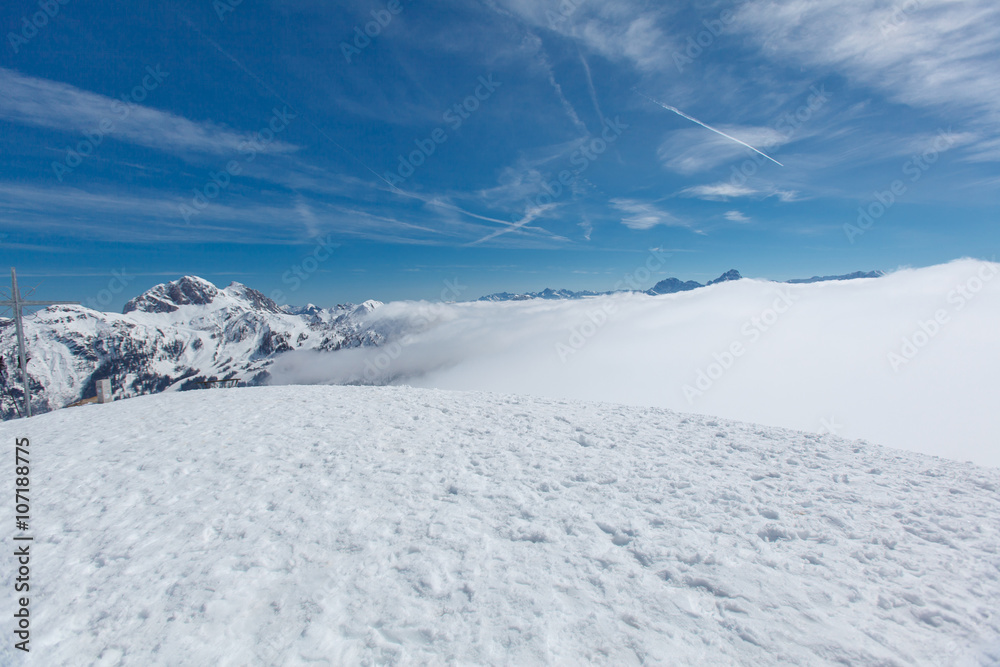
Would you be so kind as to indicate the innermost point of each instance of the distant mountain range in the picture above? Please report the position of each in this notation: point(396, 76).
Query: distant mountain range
point(666, 286)
point(546, 293)
point(848, 276)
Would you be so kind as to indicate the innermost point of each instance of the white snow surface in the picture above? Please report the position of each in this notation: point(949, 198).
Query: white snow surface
point(391, 525)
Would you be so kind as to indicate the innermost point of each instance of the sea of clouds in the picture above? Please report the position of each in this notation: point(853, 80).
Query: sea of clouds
point(910, 360)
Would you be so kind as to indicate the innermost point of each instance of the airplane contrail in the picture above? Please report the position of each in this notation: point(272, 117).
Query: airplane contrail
point(709, 127)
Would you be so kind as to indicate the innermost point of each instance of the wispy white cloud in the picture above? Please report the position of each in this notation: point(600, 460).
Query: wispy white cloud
point(308, 216)
point(524, 179)
point(940, 54)
point(736, 216)
point(986, 150)
point(44, 103)
point(154, 216)
point(590, 87)
point(642, 215)
point(727, 191)
point(620, 30)
point(543, 63)
point(718, 191)
point(639, 40)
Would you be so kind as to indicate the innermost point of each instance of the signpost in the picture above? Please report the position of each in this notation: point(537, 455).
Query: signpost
point(16, 303)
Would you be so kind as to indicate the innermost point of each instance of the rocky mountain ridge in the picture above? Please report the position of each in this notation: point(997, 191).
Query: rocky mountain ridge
point(172, 337)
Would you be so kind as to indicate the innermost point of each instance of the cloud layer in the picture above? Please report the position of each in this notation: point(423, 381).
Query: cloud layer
point(907, 360)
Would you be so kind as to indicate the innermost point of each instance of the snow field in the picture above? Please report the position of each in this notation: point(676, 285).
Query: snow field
point(400, 526)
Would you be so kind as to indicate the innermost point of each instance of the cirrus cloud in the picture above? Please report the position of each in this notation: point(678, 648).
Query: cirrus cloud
point(641, 215)
point(39, 102)
point(727, 191)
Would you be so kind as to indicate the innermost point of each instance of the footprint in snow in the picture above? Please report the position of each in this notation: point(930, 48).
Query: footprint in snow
point(618, 538)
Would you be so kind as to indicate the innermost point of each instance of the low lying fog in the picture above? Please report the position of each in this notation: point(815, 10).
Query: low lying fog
point(910, 360)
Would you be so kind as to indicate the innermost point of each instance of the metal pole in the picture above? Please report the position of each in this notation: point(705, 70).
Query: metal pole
point(18, 305)
point(22, 358)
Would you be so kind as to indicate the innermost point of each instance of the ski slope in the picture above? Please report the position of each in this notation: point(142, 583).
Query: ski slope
point(396, 526)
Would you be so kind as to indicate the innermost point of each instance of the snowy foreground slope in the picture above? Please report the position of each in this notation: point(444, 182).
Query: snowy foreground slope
point(390, 525)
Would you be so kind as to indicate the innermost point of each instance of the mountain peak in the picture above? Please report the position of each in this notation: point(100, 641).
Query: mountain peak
point(731, 274)
point(673, 285)
point(252, 297)
point(366, 307)
point(168, 297)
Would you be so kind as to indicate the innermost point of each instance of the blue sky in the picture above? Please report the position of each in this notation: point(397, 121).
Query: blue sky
point(242, 140)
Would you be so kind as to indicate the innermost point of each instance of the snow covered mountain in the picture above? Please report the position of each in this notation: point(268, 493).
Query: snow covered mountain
point(731, 274)
point(674, 285)
point(547, 293)
point(171, 337)
point(399, 526)
point(665, 286)
point(846, 276)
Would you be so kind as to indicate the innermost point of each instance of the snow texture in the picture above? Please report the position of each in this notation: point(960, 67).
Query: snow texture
point(391, 525)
